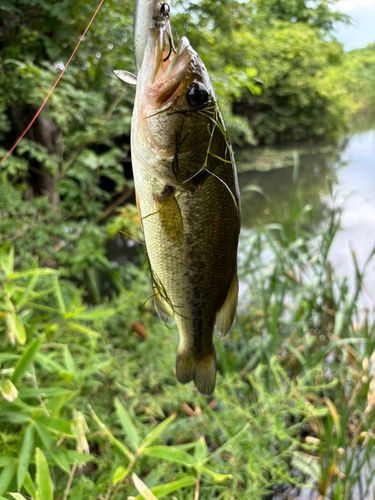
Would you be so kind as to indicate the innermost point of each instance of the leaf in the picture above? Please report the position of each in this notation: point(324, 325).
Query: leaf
point(218, 477)
point(57, 424)
point(92, 314)
point(14, 417)
point(59, 296)
point(24, 458)
point(5, 459)
point(43, 477)
point(26, 360)
point(171, 455)
point(142, 488)
point(69, 361)
point(77, 457)
point(158, 430)
point(20, 330)
point(119, 474)
point(24, 274)
point(200, 451)
point(165, 489)
point(84, 329)
point(51, 446)
point(127, 425)
point(7, 258)
point(339, 323)
point(17, 496)
point(29, 485)
point(8, 390)
point(6, 477)
point(28, 289)
point(120, 446)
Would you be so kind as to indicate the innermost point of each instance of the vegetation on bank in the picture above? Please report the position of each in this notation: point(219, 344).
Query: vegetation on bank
point(89, 397)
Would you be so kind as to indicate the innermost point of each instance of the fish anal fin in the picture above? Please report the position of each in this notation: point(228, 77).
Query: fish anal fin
point(201, 370)
point(225, 315)
point(163, 309)
point(126, 76)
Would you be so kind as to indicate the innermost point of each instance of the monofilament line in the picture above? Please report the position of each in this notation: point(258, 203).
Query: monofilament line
point(52, 89)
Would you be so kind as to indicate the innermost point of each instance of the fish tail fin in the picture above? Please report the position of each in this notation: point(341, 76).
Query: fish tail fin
point(202, 370)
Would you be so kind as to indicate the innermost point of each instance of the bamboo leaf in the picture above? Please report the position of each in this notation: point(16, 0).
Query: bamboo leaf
point(120, 446)
point(6, 477)
point(165, 489)
point(25, 454)
point(127, 425)
point(51, 446)
point(81, 328)
point(57, 424)
point(59, 296)
point(28, 289)
point(200, 451)
point(6, 459)
point(90, 315)
point(20, 330)
point(77, 457)
point(119, 474)
point(170, 454)
point(26, 360)
point(17, 496)
point(69, 361)
point(43, 477)
point(218, 477)
point(158, 430)
point(29, 485)
point(142, 488)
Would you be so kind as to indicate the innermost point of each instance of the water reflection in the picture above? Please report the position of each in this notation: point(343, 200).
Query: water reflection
point(279, 187)
point(350, 165)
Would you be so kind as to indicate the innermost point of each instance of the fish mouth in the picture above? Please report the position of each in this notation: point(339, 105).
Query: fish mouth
point(169, 75)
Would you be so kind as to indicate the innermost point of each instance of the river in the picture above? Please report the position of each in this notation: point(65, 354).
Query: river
point(349, 164)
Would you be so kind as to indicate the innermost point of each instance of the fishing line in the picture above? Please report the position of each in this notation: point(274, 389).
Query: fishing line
point(53, 88)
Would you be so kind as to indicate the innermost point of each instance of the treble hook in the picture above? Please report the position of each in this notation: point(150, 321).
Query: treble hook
point(164, 11)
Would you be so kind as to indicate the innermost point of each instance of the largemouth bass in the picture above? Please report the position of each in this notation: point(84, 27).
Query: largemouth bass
point(188, 199)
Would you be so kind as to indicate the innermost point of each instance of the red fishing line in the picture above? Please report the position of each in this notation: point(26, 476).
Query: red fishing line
point(53, 88)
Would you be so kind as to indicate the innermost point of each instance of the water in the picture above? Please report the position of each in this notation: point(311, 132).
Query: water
point(349, 165)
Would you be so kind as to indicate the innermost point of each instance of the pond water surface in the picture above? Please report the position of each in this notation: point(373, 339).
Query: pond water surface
point(349, 165)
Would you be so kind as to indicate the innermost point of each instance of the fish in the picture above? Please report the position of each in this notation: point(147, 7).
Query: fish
point(187, 196)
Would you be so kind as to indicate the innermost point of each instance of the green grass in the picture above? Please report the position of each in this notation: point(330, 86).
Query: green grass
point(90, 409)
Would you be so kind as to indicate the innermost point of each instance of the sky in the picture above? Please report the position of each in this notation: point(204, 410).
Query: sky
point(362, 32)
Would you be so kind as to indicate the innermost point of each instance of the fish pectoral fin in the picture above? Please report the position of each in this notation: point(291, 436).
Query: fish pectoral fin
point(225, 315)
point(126, 76)
point(163, 309)
point(170, 218)
point(202, 370)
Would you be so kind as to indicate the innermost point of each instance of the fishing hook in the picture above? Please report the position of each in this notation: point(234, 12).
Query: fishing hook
point(164, 11)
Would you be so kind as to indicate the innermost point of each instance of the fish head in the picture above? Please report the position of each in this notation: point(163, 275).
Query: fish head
point(176, 111)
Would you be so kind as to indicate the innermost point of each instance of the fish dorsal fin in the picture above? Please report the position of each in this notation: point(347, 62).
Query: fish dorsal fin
point(225, 315)
point(126, 76)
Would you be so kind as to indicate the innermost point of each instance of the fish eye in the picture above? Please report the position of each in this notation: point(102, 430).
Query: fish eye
point(197, 95)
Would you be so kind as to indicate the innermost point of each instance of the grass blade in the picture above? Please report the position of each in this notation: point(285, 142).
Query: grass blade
point(24, 459)
point(127, 425)
point(43, 477)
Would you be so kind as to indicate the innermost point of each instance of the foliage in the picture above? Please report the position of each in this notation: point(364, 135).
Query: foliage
point(301, 96)
point(360, 76)
point(91, 409)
